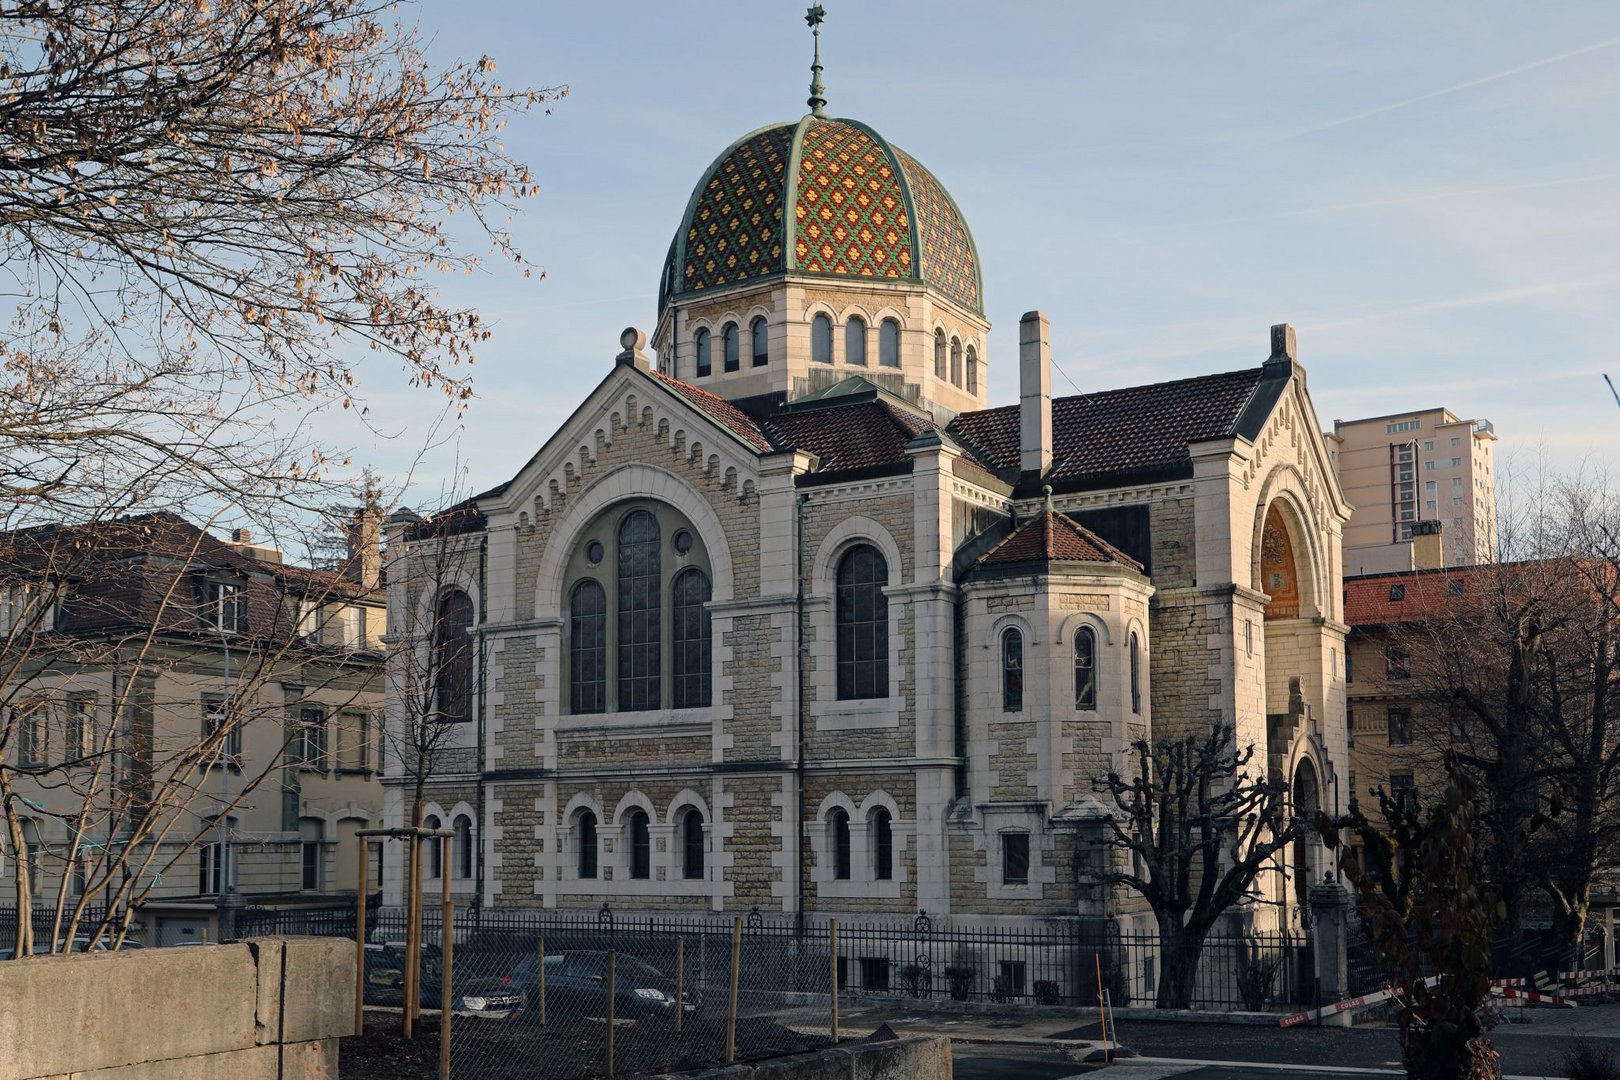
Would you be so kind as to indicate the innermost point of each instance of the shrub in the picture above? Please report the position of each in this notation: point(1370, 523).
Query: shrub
point(1585, 1060)
point(1256, 975)
point(1046, 992)
point(960, 979)
point(917, 979)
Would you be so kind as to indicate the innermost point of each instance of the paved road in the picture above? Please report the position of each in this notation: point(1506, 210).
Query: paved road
point(979, 1062)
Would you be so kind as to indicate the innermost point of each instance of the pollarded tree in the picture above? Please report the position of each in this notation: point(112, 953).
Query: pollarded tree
point(1202, 828)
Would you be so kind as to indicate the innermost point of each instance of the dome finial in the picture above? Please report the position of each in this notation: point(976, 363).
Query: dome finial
point(818, 93)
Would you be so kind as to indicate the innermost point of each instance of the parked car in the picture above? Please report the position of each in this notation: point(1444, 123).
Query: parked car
point(473, 993)
point(576, 988)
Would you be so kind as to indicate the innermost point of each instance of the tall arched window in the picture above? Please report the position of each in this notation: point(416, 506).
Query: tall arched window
point(972, 371)
point(1136, 674)
point(939, 354)
point(1012, 670)
point(435, 849)
point(700, 342)
point(731, 346)
point(889, 343)
point(452, 657)
point(585, 842)
point(1085, 668)
point(760, 338)
point(855, 341)
point(821, 339)
point(690, 648)
point(462, 846)
point(863, 624)
point(640, 601)
point(838, 841)
point(587, 648)
point(956, 361)
point(640, 845)
point(882, 843)
point(692, 845)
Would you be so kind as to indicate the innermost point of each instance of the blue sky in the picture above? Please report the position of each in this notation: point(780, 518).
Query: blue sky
point(1429, 192)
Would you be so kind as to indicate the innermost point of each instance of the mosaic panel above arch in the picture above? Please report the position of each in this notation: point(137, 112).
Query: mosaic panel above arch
point(736, 230)
point(850, 214)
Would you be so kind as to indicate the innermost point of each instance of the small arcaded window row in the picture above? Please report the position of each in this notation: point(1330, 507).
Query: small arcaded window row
point(1085, 670)
point(687, 856)
point(759, 346)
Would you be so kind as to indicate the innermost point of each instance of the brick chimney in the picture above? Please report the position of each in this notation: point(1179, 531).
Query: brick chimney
point(364, 566)
point(1034, 393)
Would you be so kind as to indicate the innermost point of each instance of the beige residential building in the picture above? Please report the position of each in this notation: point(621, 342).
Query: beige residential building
point(1406, 468)
point(193, 726)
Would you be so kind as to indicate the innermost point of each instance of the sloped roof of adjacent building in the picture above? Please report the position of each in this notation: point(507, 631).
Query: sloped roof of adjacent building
point(863, 434)
point(1113, 435)
point(721, 411)
point(1053, 537)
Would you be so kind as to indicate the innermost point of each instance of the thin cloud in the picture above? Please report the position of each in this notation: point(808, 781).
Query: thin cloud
point(1498, 296)
point(1483, 80)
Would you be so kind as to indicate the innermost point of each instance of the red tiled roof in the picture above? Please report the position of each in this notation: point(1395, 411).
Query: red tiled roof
point(1054, 537)
point(1135, 429)
point(856, 435)
point(721, 411)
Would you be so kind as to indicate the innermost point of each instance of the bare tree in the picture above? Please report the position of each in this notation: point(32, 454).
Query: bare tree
point(212, 215)
point(1202, 829)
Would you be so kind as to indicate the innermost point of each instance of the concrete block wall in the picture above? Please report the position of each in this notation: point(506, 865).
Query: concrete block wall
point(270, 1008)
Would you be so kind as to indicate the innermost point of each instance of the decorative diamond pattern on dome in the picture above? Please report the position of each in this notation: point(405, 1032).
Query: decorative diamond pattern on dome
point(735, 232)
point(947, 253)
point(851, 214)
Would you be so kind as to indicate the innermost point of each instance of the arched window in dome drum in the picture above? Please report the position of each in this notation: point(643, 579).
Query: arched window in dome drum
point(956, 361)
point(939, 354)
point(821, 339)
point(855, 341)
point(640, 563)
point(972, 371)
point(889, 343)
point(732, 346)
point(761, 338)
point(700, 342)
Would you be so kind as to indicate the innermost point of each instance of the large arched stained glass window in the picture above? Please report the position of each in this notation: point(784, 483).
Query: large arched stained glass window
point(1085, 668)
point(587, 648)
point(690, 647)
point(821, 339)
point(453, 657)
point(863, 624)
point(639, 612)
point(1012, 670)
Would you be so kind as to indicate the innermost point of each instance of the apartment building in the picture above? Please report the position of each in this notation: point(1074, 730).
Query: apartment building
point(192, 725)
point(1406, 468)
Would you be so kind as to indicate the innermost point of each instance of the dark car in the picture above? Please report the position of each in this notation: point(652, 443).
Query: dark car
point(576, 988)
point(474, 993)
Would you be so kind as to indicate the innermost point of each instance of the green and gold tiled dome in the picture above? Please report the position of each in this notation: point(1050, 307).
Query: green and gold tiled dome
point(822, 197)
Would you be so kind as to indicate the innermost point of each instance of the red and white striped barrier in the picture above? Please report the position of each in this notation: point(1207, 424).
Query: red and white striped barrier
point(1528, 995)
point(1354, 1004)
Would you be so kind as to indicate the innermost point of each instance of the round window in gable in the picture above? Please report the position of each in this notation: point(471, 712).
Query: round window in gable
point(682, 541)
point(594, 552)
